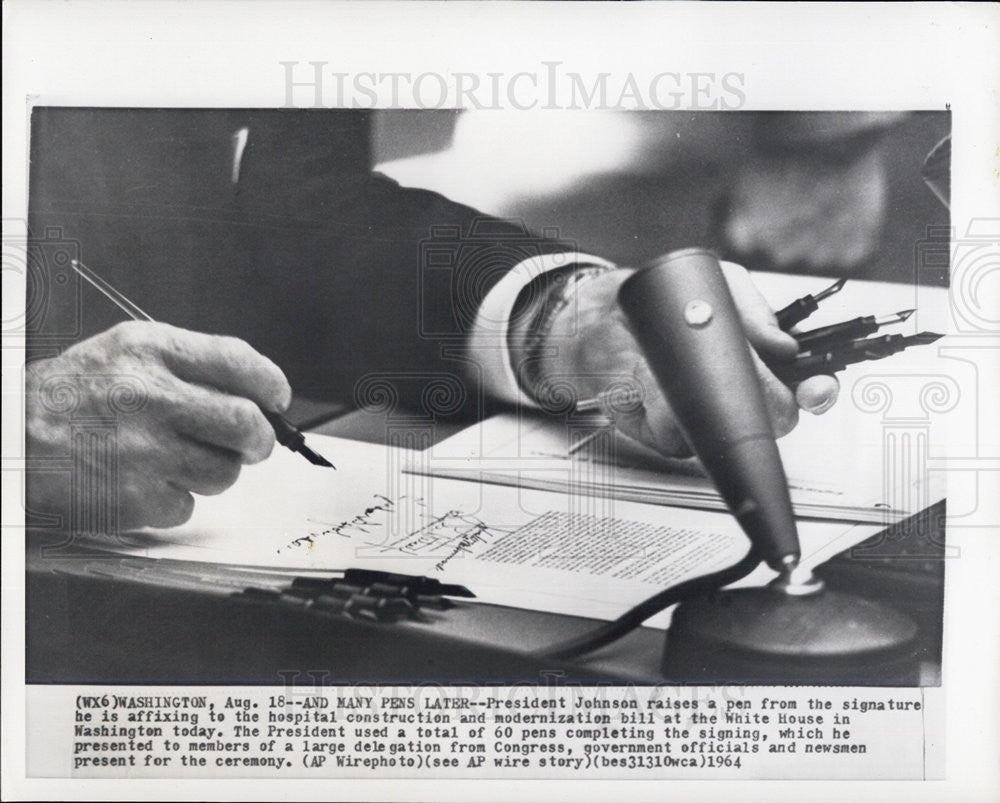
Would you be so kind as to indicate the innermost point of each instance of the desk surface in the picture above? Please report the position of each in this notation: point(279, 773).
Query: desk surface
point(86, 628)
point(99, 629)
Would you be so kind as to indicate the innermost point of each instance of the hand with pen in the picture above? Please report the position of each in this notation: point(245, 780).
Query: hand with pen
point(590, 347)
point(186, 409)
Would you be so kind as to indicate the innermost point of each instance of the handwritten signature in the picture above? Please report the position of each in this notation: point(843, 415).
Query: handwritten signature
point(450, 533)
point(474, 535)
point(361, 523)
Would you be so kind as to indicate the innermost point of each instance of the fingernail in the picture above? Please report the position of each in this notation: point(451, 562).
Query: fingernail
point(822, 407)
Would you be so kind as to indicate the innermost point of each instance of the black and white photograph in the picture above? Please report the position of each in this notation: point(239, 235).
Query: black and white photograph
point(530, 401)
point(496, 422)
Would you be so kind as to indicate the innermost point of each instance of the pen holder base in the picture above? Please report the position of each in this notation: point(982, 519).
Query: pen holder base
point(766, 636)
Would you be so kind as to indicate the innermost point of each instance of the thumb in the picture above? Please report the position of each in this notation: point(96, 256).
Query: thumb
point(756, 316)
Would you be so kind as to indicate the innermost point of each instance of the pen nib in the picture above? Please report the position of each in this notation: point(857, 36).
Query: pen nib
point(895, 317)
point(922, 338)
point(315, 459)
point(833, 288)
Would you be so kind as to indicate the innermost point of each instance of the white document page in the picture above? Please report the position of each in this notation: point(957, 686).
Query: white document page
point(843, 465)
point(535, 451)
point(570, 554)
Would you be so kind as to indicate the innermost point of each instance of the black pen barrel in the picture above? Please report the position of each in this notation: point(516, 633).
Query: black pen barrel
point(802, 368)
point(837, 359)
point(796, 312)
point(284, 432)
point(826, 337)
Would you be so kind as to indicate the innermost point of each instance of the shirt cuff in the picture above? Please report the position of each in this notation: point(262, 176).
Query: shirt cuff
point(487, 345)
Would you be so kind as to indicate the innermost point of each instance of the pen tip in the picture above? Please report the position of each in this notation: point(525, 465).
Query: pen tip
point(895, 317)
point(923, 338)
point(833, 288)
point(315, 459)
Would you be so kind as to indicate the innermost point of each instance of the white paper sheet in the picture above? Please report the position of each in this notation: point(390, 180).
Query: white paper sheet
point(839, 464)
point(534, 451)
point(511, 546)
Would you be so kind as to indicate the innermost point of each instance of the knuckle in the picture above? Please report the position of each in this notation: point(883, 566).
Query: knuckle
point(137, 333)
point(245, 416)
point(125, 336)
point(144, 340)
point(166, 401)
point(163, 388)
point(241, 352)
point(126, 330)
point(182, 346)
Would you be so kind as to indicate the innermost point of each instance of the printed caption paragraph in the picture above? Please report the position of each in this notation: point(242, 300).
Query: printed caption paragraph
point(539, 731)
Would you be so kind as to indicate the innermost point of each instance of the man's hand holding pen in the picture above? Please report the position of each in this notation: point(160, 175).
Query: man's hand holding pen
point(202, 405)
point(588, 346)
point(194, 416)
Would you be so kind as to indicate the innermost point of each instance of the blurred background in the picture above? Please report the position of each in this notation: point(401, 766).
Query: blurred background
point(824, 193)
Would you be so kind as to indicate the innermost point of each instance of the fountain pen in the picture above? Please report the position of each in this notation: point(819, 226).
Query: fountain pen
point(284, 432)
point(826, 338)
point(838, 358)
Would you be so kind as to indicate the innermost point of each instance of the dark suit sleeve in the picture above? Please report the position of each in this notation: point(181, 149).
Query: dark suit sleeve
point(336, 273)
point(401, 274)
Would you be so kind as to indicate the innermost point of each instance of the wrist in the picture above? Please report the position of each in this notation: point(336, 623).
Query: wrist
point(496, 347)
point(568, 354)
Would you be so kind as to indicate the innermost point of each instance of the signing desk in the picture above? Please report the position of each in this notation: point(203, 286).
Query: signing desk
point(87, 628)
point(123, 623)
point(91, 619)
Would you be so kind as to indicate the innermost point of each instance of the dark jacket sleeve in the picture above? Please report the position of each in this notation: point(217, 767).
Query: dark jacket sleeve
point(336, 273)
point(404, 272)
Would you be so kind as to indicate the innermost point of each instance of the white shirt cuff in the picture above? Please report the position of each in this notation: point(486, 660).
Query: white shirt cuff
point(487, 345)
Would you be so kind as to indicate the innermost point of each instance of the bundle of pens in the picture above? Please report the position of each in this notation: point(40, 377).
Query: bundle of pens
point(826, 350)
point(830, 349)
